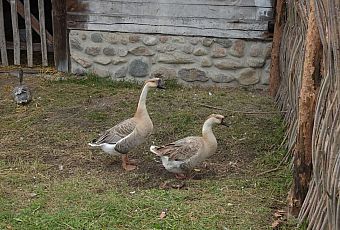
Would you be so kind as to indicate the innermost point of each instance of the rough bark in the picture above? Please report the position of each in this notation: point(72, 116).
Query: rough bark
point(274, 80)
point(303, 150)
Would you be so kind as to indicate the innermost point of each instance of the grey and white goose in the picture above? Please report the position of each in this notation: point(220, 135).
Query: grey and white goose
point(130, 133)
point(21, 93)
point(181, 156)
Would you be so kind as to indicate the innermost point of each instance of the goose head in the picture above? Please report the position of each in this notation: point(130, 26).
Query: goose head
point(155, 83)
point(20, 76)
point(216, 119)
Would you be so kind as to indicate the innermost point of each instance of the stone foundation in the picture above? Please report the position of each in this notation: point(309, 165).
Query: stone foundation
point(190, 60)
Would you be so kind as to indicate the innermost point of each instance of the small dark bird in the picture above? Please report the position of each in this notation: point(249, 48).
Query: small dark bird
point(21, 93)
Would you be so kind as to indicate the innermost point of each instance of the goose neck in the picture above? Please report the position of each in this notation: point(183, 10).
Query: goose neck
point(141, 108)
point(207, 132)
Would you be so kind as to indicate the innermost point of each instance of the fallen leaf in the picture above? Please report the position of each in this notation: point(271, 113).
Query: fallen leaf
point(32, 194)
point(277, 215)
point(276, 223)
point(163, 214)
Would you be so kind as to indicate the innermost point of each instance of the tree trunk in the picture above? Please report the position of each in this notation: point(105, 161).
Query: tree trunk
point(303, 149)
point(274, 80)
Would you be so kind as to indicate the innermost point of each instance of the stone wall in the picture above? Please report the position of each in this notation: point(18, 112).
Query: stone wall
point(190, 60)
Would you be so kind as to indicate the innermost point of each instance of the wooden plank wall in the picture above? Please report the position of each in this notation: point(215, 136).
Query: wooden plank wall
point(216, 18)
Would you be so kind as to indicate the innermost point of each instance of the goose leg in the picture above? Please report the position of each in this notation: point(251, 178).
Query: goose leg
point(127, 165)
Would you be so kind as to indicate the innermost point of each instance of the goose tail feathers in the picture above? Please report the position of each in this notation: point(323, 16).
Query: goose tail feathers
point(94, 145)
point(153, 149)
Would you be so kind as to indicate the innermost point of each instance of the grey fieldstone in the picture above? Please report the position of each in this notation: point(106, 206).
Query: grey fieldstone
point(122, 52)
point(133, 38)
point(102, 60)
point(165, 73)
point(141, 51)
point(124, 39)
point(266, 73)
point(229, 63)
point(97, 37)
point(238, 49)
point(207, 42)
point(117, 61)
point(121, 72)
point(166, 48)
point(83, 37)
point(79, 71)
point(248, 76)
point(188, 49)
point(255, 62)
point(206, 62)
point(111, 38)
point(200, 51)
point(84, 62)
point(109, 51)
point(226, 43)
point(255, 50)
point(75, 44)
point(193, 74)
point(194, 41)
point(154, 59)
point(268, 50)
point(179, 40)
point(150, 40)
point(138, 68)
point(222, 78)
point(163, 39)
point(92, 50)
point(101, 71)
point(218, 52)
point(176, 58)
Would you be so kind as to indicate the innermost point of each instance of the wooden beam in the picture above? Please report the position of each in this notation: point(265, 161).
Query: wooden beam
point(34, 22)
point(4, 59)
point(42, 33)
point(303, 151)
point(60, 35)
point(15, 28)
point(28, 33)
point(23, 46)
point(274, 80)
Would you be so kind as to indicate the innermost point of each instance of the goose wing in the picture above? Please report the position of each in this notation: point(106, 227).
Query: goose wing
point(127, 143)
point(181, 149)
point(22, 94)
point(117, 132)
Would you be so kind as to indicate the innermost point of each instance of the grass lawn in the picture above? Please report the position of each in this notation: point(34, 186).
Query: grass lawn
point(51, 179)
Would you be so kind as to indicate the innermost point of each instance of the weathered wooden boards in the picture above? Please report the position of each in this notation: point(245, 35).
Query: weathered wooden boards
point(29, 42)
point(233, 18)
point(42, 33)
point(23, 9)
point(60, 35)
point(16, 38)
point(4, 59)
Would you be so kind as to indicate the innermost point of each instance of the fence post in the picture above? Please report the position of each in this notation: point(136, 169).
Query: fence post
point(60, 40)
point(303, 150)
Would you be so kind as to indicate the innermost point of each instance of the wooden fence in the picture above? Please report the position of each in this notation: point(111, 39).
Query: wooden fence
point(38, 25)
point(44, 42)
point(321, 206)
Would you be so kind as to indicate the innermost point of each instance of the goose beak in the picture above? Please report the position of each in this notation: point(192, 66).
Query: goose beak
point(160, 84)
point(223, 123)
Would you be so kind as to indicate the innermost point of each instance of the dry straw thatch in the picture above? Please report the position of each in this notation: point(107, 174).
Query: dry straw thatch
point(321, 207)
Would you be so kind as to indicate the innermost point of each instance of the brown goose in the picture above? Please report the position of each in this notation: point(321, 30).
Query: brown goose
point(128, 134)
point(181, 156)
